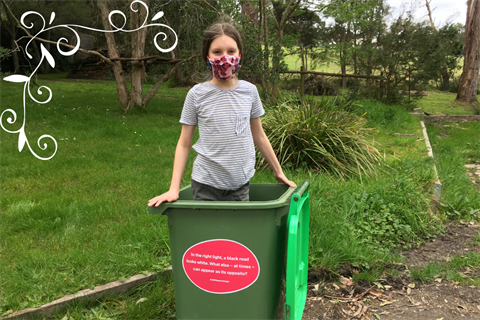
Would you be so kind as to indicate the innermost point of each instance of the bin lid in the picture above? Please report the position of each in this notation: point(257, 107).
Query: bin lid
point(297, 253)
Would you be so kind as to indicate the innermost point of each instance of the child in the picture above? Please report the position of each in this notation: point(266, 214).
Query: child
point(227, 112)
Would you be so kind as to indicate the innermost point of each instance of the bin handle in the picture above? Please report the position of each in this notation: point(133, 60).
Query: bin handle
point(302, 189)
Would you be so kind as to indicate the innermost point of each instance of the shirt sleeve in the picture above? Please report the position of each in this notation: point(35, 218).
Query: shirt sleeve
point(257, 107)
point(189, 112)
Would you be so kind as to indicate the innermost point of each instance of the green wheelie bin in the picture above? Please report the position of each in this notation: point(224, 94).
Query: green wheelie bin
point(240, 260)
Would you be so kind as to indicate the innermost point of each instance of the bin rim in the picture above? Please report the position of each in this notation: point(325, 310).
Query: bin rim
point(284, 200)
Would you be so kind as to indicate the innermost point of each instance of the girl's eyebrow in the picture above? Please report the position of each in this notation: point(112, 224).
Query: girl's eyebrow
point(231, 48)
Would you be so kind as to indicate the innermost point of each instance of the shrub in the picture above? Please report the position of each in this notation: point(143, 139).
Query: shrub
point(393, 214)
point(320, 135)
point(319, 85)
point(476, 106)
point(290, 84)
point(454, 85)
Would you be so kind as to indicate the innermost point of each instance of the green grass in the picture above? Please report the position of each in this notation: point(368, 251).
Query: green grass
point(79, 219)
point(453, 270)
point(291, 59)
point(443, 103)
point(388, 120)
point(454, 145)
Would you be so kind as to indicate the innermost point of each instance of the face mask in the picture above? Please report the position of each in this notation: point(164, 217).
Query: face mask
point(224, 68)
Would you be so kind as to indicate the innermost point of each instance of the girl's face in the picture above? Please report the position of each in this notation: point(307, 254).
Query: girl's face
point(223, 45)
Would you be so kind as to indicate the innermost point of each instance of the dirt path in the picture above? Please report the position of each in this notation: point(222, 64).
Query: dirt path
point(399, 297)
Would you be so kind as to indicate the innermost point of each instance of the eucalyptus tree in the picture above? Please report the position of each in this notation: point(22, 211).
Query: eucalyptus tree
point(470, 78)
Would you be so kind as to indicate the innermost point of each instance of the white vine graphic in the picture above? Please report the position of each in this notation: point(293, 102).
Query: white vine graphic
point(22, 138)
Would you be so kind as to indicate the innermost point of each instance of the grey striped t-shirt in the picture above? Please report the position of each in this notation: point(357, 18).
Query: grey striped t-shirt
point(225, 151)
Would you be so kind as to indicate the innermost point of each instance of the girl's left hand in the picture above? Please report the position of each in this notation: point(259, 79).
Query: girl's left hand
point(281, 178)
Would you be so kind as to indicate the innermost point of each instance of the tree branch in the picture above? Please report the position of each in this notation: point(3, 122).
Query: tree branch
point(156, 57)
point(427, 2)
point(154, 90)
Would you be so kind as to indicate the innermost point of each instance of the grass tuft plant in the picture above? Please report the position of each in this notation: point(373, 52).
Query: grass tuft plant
point(320, 135)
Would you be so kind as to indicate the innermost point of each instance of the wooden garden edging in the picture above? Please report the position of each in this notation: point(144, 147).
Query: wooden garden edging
point(103, 291)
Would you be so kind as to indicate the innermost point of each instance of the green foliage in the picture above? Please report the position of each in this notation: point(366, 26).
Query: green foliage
point(388, 117)
point(305, 28)
point(4, 53)
point(411, 54)
point(394, 214)
point(320, 135)
point(343, 214)
point(454, 86)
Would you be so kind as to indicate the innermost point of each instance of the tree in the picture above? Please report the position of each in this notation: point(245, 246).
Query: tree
point(467, 91)
point(357, 24)
point(445, 39)
point(284, 10)
point(12, 30)
point(305, 26)
point(114, 60)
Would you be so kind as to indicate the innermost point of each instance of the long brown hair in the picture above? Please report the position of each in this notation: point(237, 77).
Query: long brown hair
point(217, 30)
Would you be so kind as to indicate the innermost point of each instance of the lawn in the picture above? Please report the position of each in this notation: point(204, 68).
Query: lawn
point(443, 103)
point(80, 219)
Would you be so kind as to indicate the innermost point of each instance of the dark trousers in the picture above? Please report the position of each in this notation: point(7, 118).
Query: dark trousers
point(203, 192)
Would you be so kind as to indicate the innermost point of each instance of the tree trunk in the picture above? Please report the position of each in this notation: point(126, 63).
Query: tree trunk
point(138, 51)
point(263, 12)
point(467, 91)
point(343, 67)
point(39, 56)
point(13, 46)
point(427, 3)
point(46, 65)
point(276, 61)
point(306, 59)
point(152, 92)
point(122, 90)
point(303, 56)
point(12, 30)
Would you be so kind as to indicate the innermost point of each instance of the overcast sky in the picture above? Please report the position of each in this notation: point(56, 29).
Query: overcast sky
point(443, 10)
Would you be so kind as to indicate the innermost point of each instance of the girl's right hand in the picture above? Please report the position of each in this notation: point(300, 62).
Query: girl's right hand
point(168, 196)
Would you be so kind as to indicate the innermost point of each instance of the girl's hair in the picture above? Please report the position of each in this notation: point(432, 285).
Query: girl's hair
point(217, 30)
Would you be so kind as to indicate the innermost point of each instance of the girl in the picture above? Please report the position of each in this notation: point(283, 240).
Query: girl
point(227, 112)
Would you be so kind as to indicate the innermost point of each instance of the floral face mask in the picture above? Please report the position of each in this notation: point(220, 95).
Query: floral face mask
point(224, 68)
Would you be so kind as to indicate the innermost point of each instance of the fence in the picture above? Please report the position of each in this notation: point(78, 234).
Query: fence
point(303, 73)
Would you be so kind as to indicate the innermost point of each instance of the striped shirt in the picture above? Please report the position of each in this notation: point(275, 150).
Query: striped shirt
point(225, 151)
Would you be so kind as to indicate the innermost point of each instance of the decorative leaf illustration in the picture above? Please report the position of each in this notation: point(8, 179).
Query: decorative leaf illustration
point(21, 140)
point(16, 78)
point(52, 17)
point(48, 56)
point(158, 16)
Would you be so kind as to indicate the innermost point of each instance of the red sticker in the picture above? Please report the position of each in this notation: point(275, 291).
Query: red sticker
point(221, 266)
